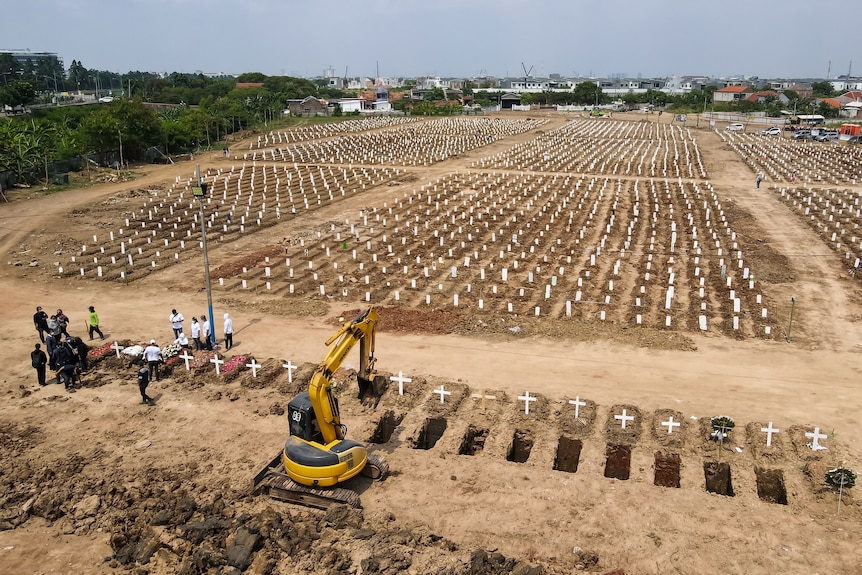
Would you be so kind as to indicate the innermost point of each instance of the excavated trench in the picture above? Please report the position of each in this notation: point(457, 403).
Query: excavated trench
point(568, 455)
point(770, 485)
point(386, 427)
point(667, 469)
point(473, 441)
point(522, 445)
point(618, 461)
point(430, 433)
point(718, 478)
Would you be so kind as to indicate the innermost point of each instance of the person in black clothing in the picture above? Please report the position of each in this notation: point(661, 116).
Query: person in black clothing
point(39, 361)
point(80, 349)
point(143, 382)
point(65, 364)
point(40, 320)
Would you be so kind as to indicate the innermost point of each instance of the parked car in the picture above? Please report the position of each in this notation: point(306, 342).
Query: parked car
point(773, 131)
point(826, 136)
point(735, 128)
point(855, 140)
point(802, 135)
point(106, 99)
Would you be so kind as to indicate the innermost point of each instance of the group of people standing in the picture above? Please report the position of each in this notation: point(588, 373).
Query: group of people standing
point(201, 331)
point(65, 354)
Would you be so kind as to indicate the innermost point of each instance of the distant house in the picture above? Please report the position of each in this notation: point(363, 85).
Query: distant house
point(732, 93)
point(349, 105)
point(509, 99)
point(308, 106)
point(249, 85)
point(763, 96)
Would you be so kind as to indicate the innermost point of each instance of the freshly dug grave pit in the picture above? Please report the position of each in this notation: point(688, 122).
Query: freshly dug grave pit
point(522, 445)
point(770, 485)
point(718, 478)
point(666, 469)
point(568, 455)
point(430, 433)
point(618, 461)
point(385, 427)
point(474, 441)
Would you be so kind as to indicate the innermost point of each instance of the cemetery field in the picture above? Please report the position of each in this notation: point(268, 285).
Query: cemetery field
point(565, 303)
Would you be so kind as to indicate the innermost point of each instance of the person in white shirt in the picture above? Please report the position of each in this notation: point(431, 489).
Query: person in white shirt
point(182, 341)
point(176, 319)
point(196, 334)
point(206, 332)
point(228, 331)
point(153, 356)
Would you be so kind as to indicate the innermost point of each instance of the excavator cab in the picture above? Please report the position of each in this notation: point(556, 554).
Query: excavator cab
point(303, 422)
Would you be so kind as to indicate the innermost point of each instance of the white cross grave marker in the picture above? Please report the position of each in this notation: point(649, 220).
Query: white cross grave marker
point(254, 365)
point(815, 439)
point(670, 423)
point(117, 347)
point(442, 393)
point(769, 430)
point(217, 363)
point(401, 381)
point(578, 405)
point(289, 367)
point(526, 399)
point(624, 418)
point(186, 357)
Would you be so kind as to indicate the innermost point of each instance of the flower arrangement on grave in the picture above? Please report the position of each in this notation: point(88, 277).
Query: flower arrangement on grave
point(171, 350)
point(233, 363)
point(721, 426)
point(841, 477)
point(201, 360)
point(101, 351)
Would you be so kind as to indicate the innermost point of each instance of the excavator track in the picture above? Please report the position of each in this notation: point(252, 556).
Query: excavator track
point(273, 481)
point(280, 486)
point(376, 468)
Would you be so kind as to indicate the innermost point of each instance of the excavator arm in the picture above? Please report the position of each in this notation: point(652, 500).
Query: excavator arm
point(359, 330)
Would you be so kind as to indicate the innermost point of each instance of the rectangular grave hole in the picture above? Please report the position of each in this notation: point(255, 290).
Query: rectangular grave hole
point(568, 455)
point(386, 427)
point(430, 433)
point(618, 461)
point(718, 478)
point(770, 485)
point(666, 469)
point(522, 445)
point(474, 441)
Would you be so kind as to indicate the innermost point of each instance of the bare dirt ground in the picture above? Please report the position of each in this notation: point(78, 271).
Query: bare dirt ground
point(95, 482)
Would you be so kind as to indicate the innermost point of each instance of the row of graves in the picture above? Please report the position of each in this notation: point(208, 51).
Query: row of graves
point(418, 144)
point(834, 215)
point(606, 147)
point(280, 138)
point(656, 253)
point(805, 161)
point(563, 434)
point(166, 229)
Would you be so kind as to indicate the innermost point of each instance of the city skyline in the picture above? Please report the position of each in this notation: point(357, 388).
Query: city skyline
point(444, 38)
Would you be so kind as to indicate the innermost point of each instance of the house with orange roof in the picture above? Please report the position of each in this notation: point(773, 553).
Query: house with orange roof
point(763, 96)
point(732, 94)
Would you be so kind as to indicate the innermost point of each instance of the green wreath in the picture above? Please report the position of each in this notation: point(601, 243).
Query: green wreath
point(721, 426)
point(841, 477)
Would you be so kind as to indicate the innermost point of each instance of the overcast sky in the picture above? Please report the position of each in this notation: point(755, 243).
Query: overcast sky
point(650, 38)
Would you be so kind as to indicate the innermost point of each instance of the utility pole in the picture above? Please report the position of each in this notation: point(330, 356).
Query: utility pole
point(199, 192)
point(120, 135)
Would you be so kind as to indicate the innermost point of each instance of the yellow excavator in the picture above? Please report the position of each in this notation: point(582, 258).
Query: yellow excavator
point(317, 456)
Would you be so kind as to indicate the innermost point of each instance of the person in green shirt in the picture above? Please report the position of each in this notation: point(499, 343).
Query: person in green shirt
point(94, 324)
